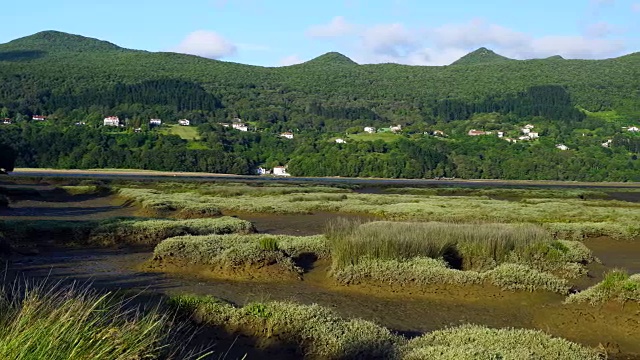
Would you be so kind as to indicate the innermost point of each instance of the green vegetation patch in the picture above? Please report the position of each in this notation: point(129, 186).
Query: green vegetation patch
point(118, 231)
point(472, 342)
point(185, 132)
point(317, 331)
point(71, 323)
point(510, 256)
point(617, 285)
point(386, 137)
point(241, 252)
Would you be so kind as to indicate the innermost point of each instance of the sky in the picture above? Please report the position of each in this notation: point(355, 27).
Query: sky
point(286, 32)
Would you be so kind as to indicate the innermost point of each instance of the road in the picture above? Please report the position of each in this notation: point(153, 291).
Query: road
point(186, 176)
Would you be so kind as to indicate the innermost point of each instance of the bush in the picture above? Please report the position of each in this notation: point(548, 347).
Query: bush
point(472, 342)
point(617, 285)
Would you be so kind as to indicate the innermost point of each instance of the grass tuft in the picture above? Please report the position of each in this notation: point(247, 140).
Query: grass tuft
point(617, 285)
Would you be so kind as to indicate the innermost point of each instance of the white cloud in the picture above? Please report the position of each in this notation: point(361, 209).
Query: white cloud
point(391, 39)
point(207, 44)
point(575, 47)
point(477, 33)
point(599, 30)
point(290, 60)
point(336, 28)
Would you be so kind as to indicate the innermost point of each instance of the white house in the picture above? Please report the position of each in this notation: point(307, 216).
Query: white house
point(396, 128)
point(7, 121)
point(438, 133)
point(607, 143)
point(511, 140)
point(287, 135)
point(370, 129)
point(184, 122)
point(500, 134)
point(633, 129)
point(340, 141)
point(38, 118)
point(81, 123)
point(524, 138)
point(562, 147)
point(529, 126)
point(112, 121)
point(262, 171)
point(474, 132)
point(155, 122)
point(137, 130)
point(534, 135)
point(240, 126)
point(526, 131)
point(280, 171)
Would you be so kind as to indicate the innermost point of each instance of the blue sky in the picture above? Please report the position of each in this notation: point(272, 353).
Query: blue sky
point(283, 32)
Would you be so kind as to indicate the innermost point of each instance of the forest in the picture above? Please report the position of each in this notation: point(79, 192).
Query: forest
point(76, 81)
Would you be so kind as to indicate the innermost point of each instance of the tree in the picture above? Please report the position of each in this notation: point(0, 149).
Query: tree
point(7, 158)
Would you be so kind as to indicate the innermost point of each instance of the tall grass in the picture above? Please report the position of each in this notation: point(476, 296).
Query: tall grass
point(461, 245)
point(76, 323)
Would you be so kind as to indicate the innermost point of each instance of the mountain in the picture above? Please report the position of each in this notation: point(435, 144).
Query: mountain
point(481, 56)
point(54, 71)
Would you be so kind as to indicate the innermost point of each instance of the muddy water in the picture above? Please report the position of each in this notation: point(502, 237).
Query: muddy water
point(71, 208)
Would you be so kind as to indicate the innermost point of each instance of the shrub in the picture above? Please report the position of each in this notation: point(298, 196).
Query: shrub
point(617, 285)
point(268, 244)
point(472, 342)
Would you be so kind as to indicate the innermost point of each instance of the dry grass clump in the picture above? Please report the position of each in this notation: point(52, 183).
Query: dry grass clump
point(616, 286)
point(423, 271)
point(72, 323)
point(237, 252)
point(85, 189)
point(151, 232)
point(471, 342)
point(318, 332)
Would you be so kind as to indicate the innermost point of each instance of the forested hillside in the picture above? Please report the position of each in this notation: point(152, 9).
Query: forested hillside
point(73, 79)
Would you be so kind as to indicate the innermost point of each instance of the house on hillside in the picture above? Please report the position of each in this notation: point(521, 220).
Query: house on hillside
point(224, 125)
point(237, 120)
point(562, 147)
point(340, 141)
point(534, 135)
point(396, 128)
point(6, 121)
point(438, 133)
point(607, 143)
point(155, 122)
point(38, 118)
point(288, 135)
point(633, 129)
point(240, 126)
point(524, 138)
point(183, 122)
point(81, 123)
point(369, 129)
point(500, 134)
point(280, 171)
point(112, 121)
point(526, 131)
point(529, 126)
point(474, 132)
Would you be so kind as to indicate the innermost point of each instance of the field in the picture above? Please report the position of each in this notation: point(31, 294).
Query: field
point(324, 271)
point(185, 132)
point(386, 137)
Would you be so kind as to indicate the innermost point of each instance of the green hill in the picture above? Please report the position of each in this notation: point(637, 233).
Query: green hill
point(54, 71)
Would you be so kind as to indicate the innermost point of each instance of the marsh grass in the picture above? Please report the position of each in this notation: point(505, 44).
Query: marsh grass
point(566, 218)
point(514, 194)
point(470, 342)
point(318, 332)
point(240, 252)
point(463, 246)
point(86, 189)
point(67, 322)
point(617, 285)
point(117, 231)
